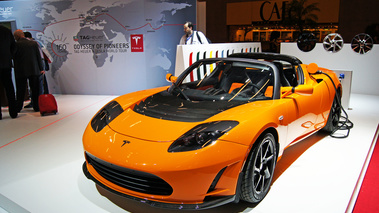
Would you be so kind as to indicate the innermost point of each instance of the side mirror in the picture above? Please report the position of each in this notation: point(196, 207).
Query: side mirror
point(312, 68)
point(301, 90)
point(171, 78)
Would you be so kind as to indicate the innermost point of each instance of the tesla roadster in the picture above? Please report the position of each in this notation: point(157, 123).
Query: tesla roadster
point(212, 137)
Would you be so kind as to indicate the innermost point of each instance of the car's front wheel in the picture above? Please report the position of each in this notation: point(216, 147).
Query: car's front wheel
point(259, 169)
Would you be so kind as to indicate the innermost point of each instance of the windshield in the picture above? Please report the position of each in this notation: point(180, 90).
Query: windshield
point(224, 80)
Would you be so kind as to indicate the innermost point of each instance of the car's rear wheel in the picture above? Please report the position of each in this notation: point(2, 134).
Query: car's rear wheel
point(334, 115)
point(259, 169)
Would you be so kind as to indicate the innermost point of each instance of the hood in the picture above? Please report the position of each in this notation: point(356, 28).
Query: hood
point(164, 117)
point(165, 106)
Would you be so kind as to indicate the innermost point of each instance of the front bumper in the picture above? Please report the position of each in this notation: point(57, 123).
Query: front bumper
point(211, 203)
point(202, 178)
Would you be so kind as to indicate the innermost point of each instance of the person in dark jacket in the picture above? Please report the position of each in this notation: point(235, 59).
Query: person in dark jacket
point(28, 67)
point(7, 49)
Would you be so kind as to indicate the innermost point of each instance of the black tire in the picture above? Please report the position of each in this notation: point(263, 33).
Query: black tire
point(259, 169)
point(334, 115)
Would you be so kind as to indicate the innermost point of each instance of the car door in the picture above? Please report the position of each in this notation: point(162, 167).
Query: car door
point(304, 110)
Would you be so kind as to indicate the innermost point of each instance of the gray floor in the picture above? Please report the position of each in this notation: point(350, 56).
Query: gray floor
point(41, 159)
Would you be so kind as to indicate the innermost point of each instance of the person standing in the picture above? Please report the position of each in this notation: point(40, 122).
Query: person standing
point(192, 36)
point(7, 49)
point(43, 87)
point(28, 67)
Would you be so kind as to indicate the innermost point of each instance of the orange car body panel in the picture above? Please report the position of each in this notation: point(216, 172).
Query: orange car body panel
point(292, 117)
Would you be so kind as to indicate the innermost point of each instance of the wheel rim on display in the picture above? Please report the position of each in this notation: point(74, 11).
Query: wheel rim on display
point(306, 42)
point(362, 43)
point(264, 166)
point(333, 42)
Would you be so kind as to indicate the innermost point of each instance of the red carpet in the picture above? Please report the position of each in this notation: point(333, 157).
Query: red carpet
point(368, 197)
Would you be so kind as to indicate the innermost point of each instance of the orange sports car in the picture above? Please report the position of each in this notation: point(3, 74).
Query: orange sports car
point(212, 137)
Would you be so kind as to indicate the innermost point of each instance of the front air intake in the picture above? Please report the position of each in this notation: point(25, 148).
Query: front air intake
point(130, 179)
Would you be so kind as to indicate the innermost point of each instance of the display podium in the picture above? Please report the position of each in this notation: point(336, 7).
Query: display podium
point(346, 79)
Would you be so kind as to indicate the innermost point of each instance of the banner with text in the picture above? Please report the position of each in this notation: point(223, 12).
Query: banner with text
point(104, 47)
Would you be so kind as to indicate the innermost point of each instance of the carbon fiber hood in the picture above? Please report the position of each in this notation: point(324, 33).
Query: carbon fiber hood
point(166, 106)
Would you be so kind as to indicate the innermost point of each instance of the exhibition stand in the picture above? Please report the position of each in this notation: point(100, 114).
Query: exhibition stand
point(103, 49)
point(41, 162)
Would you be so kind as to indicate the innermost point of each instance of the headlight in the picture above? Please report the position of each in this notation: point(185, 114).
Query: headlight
point(201, 136)
point(106, 115)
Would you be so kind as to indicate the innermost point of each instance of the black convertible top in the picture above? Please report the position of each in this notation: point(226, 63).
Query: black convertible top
point(268, 56)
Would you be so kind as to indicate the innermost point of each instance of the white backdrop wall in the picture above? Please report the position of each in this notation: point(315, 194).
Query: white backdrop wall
point(365, 77)
point(104, 47)
point(188, 54)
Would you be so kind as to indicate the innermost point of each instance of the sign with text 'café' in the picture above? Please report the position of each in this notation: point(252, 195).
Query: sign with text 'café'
point(245, 13)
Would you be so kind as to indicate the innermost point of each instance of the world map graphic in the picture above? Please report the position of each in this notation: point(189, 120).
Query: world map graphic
point(102, 30)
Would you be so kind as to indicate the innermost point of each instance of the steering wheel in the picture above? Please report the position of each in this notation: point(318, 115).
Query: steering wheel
point(248, 89)
point(254, 86)
point(177, 88)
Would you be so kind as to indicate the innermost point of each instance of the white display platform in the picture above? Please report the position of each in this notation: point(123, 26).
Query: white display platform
point(41, 164)
point(188, 54)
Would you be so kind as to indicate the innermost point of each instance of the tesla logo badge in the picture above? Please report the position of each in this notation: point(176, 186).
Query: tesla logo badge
point(136, 38)
point(137, 42)
point(125, 142)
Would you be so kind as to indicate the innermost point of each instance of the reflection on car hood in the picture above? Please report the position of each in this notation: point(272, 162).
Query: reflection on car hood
point(165, 106)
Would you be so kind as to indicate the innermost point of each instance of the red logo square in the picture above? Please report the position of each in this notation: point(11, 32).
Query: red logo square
point(136, 41)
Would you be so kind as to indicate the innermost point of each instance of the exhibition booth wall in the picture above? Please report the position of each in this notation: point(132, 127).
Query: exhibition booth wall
point(364, 67)
point(117, 47)
point(188, 54)
point(104, 47)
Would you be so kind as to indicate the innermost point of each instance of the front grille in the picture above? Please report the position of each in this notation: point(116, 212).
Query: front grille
point(130, 179)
